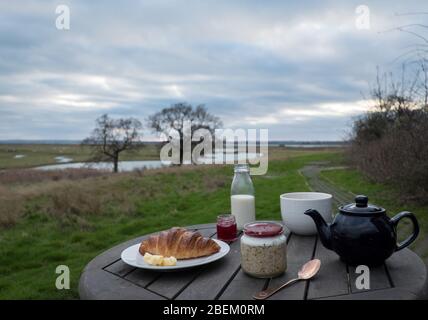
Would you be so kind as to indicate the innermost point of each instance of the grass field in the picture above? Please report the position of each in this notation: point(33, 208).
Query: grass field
point(40, 154)
point(69, 219)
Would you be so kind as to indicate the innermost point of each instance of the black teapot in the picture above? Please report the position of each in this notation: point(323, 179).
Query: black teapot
point(362, 233)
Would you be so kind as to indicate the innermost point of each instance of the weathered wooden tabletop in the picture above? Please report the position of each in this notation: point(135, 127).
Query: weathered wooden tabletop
point(403, 276)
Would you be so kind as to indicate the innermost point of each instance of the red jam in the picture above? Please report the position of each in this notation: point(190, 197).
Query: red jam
point(263, 229)
point(226, 229)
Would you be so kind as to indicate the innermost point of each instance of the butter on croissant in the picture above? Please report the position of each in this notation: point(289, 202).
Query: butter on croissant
point(179, 243)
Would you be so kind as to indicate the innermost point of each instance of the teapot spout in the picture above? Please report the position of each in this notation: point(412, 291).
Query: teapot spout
point(322, 227)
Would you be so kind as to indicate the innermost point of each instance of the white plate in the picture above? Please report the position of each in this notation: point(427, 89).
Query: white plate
point(132, 256)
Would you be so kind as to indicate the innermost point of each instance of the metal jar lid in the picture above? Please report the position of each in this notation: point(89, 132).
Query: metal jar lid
point(263, 229)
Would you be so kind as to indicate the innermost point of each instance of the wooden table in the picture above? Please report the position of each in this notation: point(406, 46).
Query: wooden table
point(403, 276)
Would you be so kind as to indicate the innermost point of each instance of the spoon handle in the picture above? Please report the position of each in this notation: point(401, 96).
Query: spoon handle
point(269, 292)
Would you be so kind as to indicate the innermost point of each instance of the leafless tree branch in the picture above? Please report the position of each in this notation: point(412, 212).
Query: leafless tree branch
point(113, 136)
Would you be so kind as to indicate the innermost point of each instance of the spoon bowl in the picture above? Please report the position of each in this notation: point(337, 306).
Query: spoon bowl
point(309, 269)
point(306, 272)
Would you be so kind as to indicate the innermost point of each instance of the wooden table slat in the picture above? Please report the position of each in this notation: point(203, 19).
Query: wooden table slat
point(242, 287)
point(215, 276)
point(299, 251)
point(332, 278)
point(103, 285)
point(142, 277)
point(407, 271)
point(119, 268)
point(170, 284)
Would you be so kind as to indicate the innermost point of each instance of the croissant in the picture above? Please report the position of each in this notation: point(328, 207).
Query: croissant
point(179, 243)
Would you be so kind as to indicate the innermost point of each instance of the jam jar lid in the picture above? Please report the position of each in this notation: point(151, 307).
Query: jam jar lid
point(263, 229)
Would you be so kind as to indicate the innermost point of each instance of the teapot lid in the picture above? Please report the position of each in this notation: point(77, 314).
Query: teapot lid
point(361, 206)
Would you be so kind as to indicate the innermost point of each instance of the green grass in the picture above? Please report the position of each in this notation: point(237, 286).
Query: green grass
point(385, 196)
point(40, 241)
point(60, 224)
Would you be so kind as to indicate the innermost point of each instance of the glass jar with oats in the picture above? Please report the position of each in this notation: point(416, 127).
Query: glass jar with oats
point(263, 249)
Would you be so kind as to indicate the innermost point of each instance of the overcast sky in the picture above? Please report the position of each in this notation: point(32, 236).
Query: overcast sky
point(297, 68)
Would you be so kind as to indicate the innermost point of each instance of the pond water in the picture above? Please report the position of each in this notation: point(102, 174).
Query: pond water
point(63, 159)
point(125, 166)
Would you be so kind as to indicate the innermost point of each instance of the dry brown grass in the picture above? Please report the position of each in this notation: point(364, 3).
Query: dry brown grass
point(285, 153)
point(65, 194)
point(11, 207)
point(71, 195)
point(72, 199)
point(17, 176)
point(74, 195)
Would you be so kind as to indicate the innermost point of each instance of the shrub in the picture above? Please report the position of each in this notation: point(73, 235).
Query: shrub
point(390, 145)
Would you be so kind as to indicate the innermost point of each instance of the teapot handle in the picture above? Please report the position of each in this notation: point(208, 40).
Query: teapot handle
point(395, 220)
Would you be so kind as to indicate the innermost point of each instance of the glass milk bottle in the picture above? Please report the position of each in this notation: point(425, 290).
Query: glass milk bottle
point(242, 196)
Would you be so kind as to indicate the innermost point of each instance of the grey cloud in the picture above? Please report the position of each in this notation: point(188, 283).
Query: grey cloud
point(132, 58)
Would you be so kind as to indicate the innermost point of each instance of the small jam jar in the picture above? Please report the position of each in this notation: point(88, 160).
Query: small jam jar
point(263, 249)
point(226, 227)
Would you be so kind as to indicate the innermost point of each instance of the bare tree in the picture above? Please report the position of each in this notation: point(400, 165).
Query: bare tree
point(416, 56)
point(417, 30)
point(391, 93)
point(175, 116)
point(113, 136)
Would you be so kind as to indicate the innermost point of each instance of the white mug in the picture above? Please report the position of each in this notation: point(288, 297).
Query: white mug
point(294, 204)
